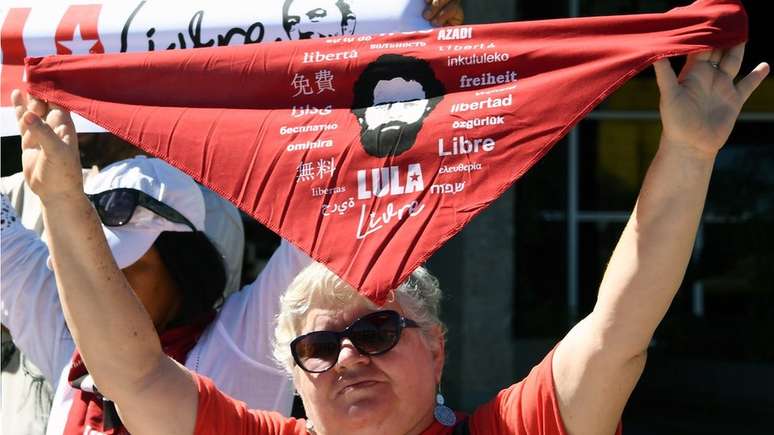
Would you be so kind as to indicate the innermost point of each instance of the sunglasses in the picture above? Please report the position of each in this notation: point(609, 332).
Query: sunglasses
point(116, 207)
point(372, 334)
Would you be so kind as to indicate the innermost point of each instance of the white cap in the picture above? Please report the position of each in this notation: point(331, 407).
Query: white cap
point(161, 181)
point(224, 228)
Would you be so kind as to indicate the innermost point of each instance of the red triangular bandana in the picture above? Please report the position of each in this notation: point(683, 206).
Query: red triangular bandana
point(287, 131)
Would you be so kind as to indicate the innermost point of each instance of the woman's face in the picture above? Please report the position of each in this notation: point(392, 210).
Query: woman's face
point(389, 393)
point(155, 288)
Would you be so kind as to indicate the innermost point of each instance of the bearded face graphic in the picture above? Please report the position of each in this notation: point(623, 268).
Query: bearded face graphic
point(393, 96)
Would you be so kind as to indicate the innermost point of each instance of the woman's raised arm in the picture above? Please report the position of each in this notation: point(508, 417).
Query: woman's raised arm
point(112, 329)
point(599, 362)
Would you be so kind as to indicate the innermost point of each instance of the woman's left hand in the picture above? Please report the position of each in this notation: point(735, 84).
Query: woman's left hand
point(699, 109)
point(50, 157)
point(442, 13)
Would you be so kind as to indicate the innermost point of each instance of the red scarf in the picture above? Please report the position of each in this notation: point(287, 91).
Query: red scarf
point(91, 409)
point(286, 131)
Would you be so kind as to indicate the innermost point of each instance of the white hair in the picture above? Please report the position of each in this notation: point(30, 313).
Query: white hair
point(316, 286)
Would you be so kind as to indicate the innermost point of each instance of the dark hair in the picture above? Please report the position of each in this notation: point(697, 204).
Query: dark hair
point(197, 268)
point(344, 8)
point(390, 66)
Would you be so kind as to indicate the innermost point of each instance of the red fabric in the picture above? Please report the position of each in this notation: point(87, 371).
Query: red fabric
point(527, 408)
point(249, 121)
point(13, 51)
point(86, 410)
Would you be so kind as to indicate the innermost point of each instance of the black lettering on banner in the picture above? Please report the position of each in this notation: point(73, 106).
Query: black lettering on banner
point(151, 44)
point(180, 39)
point(125, 29)
point(195, 31)
point(252, 34)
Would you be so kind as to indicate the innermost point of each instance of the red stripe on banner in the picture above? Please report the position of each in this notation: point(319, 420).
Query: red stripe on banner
point(79, 25)
point(14, 52)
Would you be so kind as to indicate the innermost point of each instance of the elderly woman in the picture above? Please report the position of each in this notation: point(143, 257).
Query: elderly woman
point(362, 369)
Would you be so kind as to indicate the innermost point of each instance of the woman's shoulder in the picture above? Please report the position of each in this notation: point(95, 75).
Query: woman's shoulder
point(219, 413)
point(527, 407)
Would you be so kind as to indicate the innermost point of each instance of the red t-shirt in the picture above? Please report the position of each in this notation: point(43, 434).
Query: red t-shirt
point(526, 408)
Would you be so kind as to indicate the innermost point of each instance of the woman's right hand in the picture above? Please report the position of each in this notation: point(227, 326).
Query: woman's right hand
point(50, 158)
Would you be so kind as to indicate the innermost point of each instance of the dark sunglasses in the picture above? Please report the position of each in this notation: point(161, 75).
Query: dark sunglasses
point(116, 207)
point(372, 334)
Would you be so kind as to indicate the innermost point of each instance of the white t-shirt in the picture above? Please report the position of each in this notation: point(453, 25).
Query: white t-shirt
point(235, 350)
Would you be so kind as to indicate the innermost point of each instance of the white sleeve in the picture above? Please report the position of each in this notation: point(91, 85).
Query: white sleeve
point(29, 305)
point(248, 315)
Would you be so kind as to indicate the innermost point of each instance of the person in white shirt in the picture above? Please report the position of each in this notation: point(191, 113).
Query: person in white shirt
point(166, 204)
point(27, 394)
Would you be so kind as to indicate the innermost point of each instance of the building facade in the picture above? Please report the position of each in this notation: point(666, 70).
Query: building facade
point(526, 270)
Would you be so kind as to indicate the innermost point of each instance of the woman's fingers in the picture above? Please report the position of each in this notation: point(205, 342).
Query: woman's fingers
point(39, 134)
point(431, 9)
point(43, 126)
point(665, 78)
point(28, 141)
point(690, 62)
point(703, 56)
point(59, 119)
point(715, 56)
point(19, 101)
point(30, 111)
point(747, 85)
point(443, 12)
point(450, 14)
point(731, 61)
point(36, 106)
point(62, 132)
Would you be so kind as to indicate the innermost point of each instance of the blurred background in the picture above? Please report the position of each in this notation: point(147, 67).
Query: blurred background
point(527, 269)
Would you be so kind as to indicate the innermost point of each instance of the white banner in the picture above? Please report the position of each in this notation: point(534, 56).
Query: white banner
point(41, 28)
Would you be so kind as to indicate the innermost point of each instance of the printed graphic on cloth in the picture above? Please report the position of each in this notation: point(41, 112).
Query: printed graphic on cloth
point(369, 152)
point(46, 27)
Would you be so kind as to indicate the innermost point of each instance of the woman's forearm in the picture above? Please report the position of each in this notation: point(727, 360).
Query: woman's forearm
point(649, 262)
point(102, 311)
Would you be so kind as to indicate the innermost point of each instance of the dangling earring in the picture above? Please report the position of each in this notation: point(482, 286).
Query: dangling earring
point(443, 414)
point(309, 422)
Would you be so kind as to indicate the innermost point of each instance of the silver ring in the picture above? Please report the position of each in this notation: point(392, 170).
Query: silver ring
point(715, 65)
